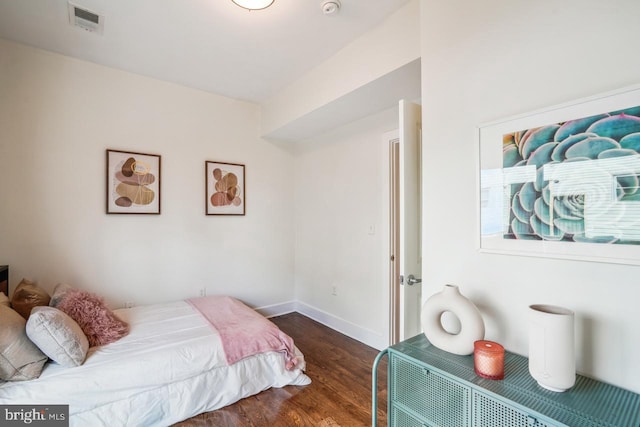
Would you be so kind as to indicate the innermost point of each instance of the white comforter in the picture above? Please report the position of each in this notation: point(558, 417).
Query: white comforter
point(170, 367)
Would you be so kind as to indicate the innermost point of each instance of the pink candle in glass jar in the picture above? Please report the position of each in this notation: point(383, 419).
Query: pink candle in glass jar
point(488, 359)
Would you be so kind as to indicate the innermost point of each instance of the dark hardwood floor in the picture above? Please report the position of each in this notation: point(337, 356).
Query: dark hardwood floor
point(339, 395)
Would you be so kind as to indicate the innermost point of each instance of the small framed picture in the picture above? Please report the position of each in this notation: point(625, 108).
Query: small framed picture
point(225, 191)
point(133, 183)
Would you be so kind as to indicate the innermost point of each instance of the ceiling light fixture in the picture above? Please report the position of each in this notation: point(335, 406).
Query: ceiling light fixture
point(253, 4)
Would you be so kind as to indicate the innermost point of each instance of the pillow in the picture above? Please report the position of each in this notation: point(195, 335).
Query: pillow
point(58, 336)
point(99, 324)
point(4, 300)
point(28, 295)
point(20, 359)
point(58, 293)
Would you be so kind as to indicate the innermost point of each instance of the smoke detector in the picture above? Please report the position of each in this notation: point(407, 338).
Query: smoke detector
point(330, 7)
point(83, 18)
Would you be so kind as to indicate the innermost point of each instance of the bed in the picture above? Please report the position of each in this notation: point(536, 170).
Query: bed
point(175, 362)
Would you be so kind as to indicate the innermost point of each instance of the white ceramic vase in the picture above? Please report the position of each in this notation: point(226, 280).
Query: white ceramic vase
point(471, 324)
point(552, 360)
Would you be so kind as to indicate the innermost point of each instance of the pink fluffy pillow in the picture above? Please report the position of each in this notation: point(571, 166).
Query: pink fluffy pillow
point(97, 322)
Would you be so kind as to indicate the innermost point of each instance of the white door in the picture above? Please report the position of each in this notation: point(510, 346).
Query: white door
point(410, 211)
point(405, 236)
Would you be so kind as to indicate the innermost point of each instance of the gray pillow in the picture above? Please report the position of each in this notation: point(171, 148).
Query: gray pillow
point(20, 359)
point(58, 293)
point(58, 336)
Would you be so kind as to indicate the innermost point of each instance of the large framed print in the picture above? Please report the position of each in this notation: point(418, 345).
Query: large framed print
point(564, 182)
point(133, 183)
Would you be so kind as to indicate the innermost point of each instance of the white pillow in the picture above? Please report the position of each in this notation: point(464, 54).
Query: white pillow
point(58, 336)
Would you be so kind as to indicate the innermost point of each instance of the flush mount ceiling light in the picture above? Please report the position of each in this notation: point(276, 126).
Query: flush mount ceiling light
point(253, 4)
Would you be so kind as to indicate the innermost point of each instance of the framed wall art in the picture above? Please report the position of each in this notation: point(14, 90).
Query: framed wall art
point(225, 188)
point(133, 183)
point(564, 182)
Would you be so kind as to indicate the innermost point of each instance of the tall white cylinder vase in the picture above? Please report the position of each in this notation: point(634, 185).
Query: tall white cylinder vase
point(552, 361)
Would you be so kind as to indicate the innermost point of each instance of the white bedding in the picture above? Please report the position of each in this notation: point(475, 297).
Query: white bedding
point(170, 367)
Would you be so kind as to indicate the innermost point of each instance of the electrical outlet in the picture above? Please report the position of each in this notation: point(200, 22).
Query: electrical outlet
point(334, 290)
point(129, 304)
point(203, 292)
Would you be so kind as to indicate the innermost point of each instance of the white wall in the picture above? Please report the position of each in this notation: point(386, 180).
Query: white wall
point(341, 175)
point(341, 180)
point(482, 61)
point(376, 54)
point(57, 117)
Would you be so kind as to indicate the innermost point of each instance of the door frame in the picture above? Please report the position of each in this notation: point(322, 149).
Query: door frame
point(394, 240)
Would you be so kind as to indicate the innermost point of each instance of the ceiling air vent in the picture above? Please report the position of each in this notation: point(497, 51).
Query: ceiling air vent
point(82, 18)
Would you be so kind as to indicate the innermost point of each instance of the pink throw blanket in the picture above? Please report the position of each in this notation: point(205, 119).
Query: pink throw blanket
point(243, 331)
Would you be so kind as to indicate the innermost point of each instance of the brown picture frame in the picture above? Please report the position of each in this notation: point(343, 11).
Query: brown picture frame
point(224, 188)
point(133, 183)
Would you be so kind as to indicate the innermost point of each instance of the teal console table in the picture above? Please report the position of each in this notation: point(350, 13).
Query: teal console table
point(431, 387)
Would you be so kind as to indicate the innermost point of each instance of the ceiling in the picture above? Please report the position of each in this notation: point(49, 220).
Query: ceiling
point(212, 45)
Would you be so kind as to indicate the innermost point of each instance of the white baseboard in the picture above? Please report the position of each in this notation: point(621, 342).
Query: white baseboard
point(277, 309)
point(357, 332)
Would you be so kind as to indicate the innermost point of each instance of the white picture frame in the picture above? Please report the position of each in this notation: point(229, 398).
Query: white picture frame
point(562, 185)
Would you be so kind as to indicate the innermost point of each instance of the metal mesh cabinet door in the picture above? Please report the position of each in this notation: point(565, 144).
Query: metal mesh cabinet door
point(400, 418)
point(434, 398)
point(490, 412)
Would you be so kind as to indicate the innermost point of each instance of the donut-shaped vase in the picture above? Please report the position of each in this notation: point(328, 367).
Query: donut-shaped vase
point(471, 323)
